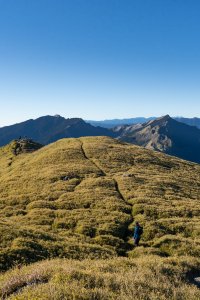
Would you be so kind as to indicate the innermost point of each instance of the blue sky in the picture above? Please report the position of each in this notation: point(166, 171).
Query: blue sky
point(99, 59)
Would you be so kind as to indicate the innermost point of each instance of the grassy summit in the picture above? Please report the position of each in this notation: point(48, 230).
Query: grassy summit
point(78, 198)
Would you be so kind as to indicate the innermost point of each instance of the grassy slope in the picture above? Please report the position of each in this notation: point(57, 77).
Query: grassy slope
point(88, 215)
point(149, 278)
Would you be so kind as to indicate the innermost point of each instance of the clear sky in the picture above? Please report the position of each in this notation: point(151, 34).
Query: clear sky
point(99, 59)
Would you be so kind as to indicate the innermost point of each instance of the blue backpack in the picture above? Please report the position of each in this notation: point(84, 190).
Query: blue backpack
point(140, 230)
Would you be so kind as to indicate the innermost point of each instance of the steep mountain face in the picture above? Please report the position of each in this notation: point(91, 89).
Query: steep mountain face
point(78, 198)
point(166, 135)
point(48, 129)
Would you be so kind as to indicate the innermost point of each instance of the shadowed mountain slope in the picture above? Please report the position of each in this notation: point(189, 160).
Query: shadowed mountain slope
point(77, 198)
point(48, 129)
point(166, 135)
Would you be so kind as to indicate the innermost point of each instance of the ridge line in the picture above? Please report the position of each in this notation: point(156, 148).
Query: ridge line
point(86, 157)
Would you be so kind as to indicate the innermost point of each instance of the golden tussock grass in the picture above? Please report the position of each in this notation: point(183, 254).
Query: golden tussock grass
point(78, 199)
point(148, 277)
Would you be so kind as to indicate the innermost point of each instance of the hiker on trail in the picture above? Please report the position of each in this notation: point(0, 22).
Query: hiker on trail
point(138, 231)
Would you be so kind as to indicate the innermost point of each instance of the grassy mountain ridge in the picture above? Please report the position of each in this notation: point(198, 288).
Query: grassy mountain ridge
point(56, 207)
point(78, 199)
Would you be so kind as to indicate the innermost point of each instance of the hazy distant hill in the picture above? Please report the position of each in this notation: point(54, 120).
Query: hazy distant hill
point(166, 135)
point(48, 129)
point(131, 121)
point(116, 122)
point(189, 121)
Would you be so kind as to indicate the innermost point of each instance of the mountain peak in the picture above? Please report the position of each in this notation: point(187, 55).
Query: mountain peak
point(165, 118)
point(166, 135)
point(47, 129)
point(159, 121)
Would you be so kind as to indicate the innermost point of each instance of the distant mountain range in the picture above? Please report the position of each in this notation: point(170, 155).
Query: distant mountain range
point(117, 122)
point(189, 121)
point(165, 135)
point(48, 129)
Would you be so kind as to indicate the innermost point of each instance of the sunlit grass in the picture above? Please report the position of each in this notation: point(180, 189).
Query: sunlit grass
point(147, 277)
point(78, 199)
